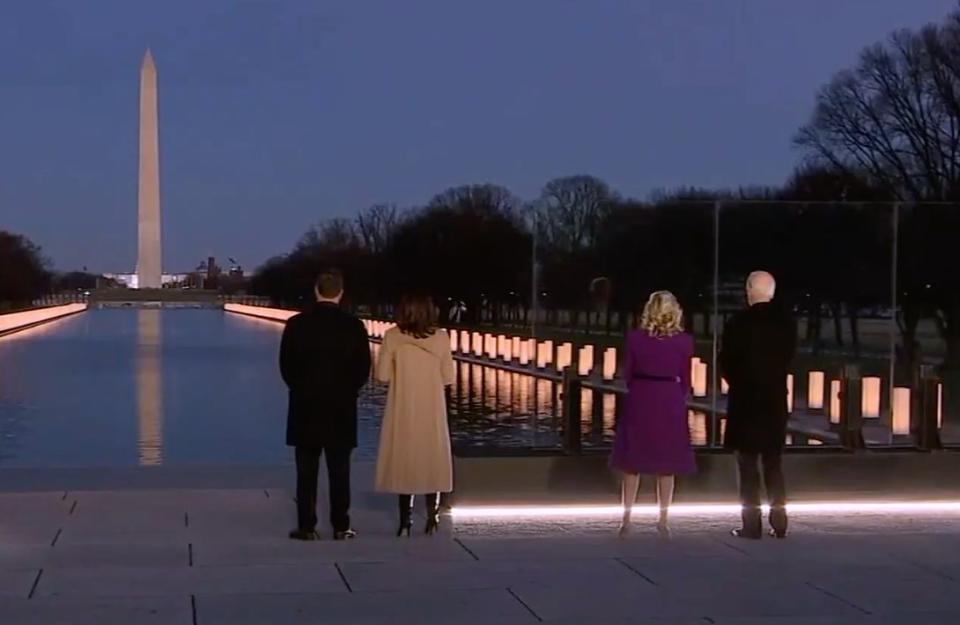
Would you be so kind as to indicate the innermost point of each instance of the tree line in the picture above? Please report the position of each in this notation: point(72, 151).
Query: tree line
point(882, 132)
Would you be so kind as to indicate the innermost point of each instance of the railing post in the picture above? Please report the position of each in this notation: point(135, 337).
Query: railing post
point(572, 390)
point(851, 408)
point(928, 432)
point(597, 417)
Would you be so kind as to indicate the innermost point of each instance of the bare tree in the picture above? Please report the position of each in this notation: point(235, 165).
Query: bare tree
point(478, 198)
point(376, 226)
point(572, 210)
point(896, 115)
point(329, 235)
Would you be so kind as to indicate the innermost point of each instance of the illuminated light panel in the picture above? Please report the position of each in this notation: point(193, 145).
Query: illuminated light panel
point(609, 363)
point(490, 345)
point(870, 399)
point(544, 354)
point(814, 390)
point(564, 356)
point(526, 348)
point(585, 365)
point(901, 410)
point(12, 321)
point(274, 314)
point(694, 365)
point(454, 340)
point(700, 379)
point(808, 508)
point(790, 393)
point(835, 401)
point(939, 406)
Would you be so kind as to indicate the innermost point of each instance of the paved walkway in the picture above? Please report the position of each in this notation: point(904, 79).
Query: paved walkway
point(221, 557)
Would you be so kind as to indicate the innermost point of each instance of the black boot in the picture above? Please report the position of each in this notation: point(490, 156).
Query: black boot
point(433, 512)
point(405, 503)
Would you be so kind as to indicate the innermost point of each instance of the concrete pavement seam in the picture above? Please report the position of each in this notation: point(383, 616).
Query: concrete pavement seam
point(343, 577)
point(743, 552)
point(834, 595)
point(524, 604)
point(36, 582)
point(635, 571)
point(467, 549)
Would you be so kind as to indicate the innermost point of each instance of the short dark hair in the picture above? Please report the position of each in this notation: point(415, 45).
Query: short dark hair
point(329, 283)
point(417, 315)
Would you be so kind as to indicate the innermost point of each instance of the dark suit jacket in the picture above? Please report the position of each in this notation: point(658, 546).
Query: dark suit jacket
point(758, 345)
point(325, 361)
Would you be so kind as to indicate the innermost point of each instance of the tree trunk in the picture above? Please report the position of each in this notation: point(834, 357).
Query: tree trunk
point(855, 329)
point(836, 310)
point(908, 352)
point(814, 320)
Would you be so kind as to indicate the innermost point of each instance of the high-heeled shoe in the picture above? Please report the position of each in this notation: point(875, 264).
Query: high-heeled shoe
point(405, 506)
point(624, 530)
point(433, 513)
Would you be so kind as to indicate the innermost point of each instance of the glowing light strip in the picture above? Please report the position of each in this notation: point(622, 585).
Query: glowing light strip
point(263, 312)
point(13, 321)
point(805, 508)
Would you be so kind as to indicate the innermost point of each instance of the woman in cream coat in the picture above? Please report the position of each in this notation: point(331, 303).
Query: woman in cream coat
point(414, 455)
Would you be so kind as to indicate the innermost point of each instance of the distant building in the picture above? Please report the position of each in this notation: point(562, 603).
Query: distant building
point(131, 281)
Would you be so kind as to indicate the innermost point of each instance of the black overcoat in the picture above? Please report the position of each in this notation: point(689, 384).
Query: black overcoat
point(757, 347)
point(325, 361)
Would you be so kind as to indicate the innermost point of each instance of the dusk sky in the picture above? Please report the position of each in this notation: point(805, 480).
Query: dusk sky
point(274, 115)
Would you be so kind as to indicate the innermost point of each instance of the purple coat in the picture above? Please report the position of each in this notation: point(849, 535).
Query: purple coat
point(653, 435)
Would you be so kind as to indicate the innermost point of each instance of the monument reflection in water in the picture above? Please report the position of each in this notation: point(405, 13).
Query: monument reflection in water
point(150, 387)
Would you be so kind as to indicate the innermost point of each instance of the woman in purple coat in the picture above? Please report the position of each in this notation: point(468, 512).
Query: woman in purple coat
point(652, 436)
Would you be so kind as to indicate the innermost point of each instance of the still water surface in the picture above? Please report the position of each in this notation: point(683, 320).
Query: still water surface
point(150, 387)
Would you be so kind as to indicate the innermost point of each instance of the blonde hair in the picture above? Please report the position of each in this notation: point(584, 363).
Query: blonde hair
point(662, 315)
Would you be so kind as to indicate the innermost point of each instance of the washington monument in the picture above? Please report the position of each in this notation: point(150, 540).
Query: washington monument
point(149, 264)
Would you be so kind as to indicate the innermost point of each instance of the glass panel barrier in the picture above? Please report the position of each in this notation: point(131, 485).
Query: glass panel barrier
point(928, 318)
point(833, 266)
point(666, 244)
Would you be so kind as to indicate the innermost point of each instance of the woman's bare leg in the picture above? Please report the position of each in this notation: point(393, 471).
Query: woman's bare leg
point(628, 496)
point(665, 486)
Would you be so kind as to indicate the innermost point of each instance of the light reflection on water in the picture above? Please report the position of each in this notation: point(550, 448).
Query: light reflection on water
point(173, 387)
point(149, 387)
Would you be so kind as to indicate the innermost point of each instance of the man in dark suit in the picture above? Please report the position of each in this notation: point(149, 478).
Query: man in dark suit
point(325, 361)
point(758, 345)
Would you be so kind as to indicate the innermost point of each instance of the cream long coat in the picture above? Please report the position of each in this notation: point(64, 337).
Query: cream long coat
point(414, 456)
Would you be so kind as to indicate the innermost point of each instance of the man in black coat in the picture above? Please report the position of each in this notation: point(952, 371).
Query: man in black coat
point(325, 361)
point(758, 345)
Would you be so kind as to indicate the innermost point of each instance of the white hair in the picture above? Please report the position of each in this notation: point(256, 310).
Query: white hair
point(761, 286)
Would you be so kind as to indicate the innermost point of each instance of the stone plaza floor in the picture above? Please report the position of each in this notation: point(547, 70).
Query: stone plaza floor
point(178, 556)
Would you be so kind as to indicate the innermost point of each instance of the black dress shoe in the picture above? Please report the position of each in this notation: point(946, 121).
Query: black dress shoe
point(304, 535)
point(741, 533)
point(344, 535)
